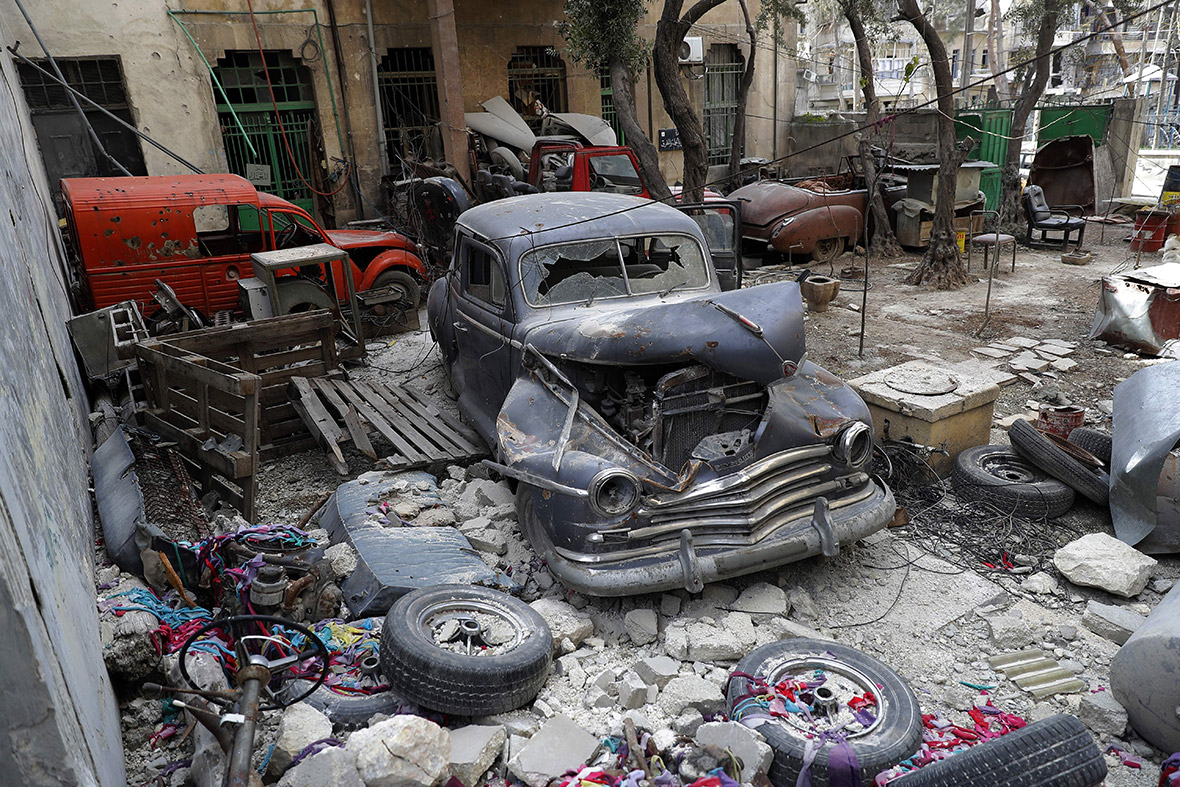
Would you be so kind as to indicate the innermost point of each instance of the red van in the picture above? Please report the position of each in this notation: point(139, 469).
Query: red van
point(196, 233)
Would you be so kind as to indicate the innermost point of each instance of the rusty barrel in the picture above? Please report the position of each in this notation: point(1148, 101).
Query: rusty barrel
point(1145, 675)
point(1060, 420)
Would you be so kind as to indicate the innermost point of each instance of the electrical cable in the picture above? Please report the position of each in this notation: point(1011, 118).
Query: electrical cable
point(278, 117)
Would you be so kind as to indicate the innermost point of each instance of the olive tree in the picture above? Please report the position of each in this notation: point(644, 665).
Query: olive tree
point(605, 33)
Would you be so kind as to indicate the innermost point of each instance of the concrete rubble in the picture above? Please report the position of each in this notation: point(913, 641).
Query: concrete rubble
point(560, 745)
point(300, 726)
point(405, 751)
point(474, 749)
point(1117, 624)
point(1102, 561)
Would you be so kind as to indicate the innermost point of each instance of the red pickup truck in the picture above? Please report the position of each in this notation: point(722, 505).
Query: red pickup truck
point(196, 233)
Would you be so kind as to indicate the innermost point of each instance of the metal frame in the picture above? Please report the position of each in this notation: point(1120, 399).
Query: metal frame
point(723, 72)
point(533, 69)
point(410, 108)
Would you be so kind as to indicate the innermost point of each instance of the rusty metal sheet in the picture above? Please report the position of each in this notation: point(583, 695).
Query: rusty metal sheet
point(1140, 310)
point(1064, 169)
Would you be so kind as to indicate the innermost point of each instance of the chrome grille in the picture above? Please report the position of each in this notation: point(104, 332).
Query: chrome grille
point(754, 501)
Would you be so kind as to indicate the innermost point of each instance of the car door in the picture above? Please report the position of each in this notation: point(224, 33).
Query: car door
point(721, 222)
point(482, 324)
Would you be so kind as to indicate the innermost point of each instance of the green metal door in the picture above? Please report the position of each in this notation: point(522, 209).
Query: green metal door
point(1074, 120)
point(990, 128)
point(256, 147)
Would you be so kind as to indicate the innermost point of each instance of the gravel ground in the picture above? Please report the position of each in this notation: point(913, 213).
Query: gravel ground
point(928, 618)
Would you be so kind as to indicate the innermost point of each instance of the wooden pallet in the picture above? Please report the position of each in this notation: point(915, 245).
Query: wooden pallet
point(422, 435)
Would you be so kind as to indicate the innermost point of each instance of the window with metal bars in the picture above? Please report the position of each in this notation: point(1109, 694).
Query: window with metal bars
point(244, 80)
point(723, 71)
point(609, 113)
point(409, 103)
point(100, 79)
point(536, 74)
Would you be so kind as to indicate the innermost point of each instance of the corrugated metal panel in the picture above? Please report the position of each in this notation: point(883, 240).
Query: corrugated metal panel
point(990, 127)
point(1037, 673)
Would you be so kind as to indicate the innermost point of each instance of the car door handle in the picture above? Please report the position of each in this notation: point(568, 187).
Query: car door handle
point(460, 327)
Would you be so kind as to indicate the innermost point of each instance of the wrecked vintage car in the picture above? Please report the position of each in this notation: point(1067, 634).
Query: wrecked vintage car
point(819, 216)
point(662, 433)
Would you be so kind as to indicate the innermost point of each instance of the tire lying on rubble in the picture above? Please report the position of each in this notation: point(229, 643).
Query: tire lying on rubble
point(997, 475)
point(1092, 441)
point(432, 654)
point(894, 736)
point(346, 711)
point(1054, 460)
point(1054, 752)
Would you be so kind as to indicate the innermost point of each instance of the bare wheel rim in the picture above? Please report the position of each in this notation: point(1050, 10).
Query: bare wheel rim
point(1010, 469)
point(827, 249)
point(471, 627)
point(827, 703)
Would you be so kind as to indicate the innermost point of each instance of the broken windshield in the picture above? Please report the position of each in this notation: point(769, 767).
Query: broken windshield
point(591, 270)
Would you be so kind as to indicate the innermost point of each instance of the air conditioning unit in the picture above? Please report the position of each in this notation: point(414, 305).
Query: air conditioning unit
point(808, 75)
point(692, 50)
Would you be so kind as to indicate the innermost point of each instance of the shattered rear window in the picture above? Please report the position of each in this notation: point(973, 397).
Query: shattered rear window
point(619, 267)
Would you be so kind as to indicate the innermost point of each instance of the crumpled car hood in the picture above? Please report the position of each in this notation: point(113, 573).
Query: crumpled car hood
point(356, 239)
point(687, 329)
point(766, 201)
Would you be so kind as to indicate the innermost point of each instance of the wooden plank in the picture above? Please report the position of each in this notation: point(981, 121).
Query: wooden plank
point(458, 426)
point(217, 419)
point(360, 437)
point(283, 376)
point(287, 447)
point(281, 330)
point(447, 448)
point(235, 465)
point(410, 454)
point(297, 354)
point(431, 413)
point(221, 377)
point(323, 427)
point(405, 426)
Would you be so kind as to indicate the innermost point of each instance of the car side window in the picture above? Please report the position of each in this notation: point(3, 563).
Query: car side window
point(483, 276)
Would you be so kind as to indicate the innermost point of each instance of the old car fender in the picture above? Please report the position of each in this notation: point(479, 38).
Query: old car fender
point(799, 234)
point(808, 406)
point(393, 259)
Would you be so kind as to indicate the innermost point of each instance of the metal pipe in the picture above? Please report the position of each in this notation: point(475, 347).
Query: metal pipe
point(77, 107)
point(216, 83)
point(382, 142)
point(238, 772)
point(106, 112)
point(338, 54)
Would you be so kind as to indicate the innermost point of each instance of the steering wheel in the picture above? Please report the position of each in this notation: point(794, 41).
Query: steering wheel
point(251, 649)
point(286, 236)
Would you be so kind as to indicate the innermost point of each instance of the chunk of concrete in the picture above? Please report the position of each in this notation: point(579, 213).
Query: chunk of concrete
point(1116, 624)
point(1010, 633)
point(564, 621)
point(559, 746)
point(332, 766)
point(300, 726)
point(744, 743)
point(487, 494)
point(632, 691)
point(729, 639)
point(1102, 561)
point(657, 671)
point(1040, 583)
point(342, 558)
point(691, 691)
point(405, 751)
point(642, 625)
point(762, 598)
point(1102, 713)
point(473, 750)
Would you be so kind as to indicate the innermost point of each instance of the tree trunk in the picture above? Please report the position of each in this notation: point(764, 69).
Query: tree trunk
point(738, 142)
point(1011, 212)
point(649, 159)
point(884, 242)
point(1116, 38)
point(670, 33)
point(995, 42)
point(942, 266)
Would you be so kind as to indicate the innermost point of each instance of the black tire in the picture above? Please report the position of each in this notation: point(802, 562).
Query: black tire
point(1054, 752)
point(897, 736)
point(1093, 441)
point(997, 475)
point(402, 279)
point(1038, 449)
point(457, 683)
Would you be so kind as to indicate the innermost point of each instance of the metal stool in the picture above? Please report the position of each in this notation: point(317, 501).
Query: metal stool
point(991, 240)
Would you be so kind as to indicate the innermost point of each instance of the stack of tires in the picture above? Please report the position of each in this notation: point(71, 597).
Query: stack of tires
point(1039, 475)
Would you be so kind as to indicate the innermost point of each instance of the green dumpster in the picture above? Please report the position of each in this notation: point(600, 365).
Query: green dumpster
point(992, 186)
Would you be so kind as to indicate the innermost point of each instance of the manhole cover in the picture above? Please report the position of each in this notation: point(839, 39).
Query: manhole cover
point(924, 382)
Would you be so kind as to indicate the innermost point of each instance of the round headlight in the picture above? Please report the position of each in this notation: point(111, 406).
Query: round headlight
point(854, 446)
point(614, 492)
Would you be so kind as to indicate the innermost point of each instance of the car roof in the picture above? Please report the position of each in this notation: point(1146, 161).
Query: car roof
point(517, 224)
point(219, 189)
